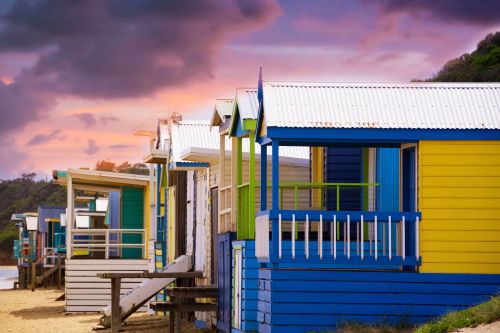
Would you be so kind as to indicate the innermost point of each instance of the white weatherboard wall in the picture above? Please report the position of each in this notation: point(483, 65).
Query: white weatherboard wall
point(85, 292)
point(201, 217)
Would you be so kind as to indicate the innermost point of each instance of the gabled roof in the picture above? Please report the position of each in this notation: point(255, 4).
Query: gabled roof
point(246, 106)
point(222, 110)
point(382, 106)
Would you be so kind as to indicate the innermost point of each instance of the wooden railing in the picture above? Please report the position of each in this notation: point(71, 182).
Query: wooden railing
point(109, 241)
point(339, 238)
point(225, 209)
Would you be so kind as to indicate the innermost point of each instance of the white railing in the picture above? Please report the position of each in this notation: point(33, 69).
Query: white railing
point(108, 241)
point(49, 256)
point(378, 238)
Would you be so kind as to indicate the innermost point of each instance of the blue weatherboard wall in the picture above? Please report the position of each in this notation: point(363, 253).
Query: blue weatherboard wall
point(303, 300)
point(249, 288)
point(388, 179)
point(343, 165)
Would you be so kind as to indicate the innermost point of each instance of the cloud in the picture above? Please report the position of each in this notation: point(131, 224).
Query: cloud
point(481, 12)
point(87, 118)
point(108, 119)
point(43, 138)
point(121, 146)
point(92, 147)
point(114, 49)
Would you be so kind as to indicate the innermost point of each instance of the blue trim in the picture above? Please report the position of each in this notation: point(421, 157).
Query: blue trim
point(194, 165)
point(275, 197)
point(238, 131)
point(307, 136)
point(263, 177)
point(382, 217)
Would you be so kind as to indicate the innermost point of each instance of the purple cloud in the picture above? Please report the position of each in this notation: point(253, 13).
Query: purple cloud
point(478, 12)
point(114, 49)
point(92, 147)
point(108, 119)
point(87, 118)
point(43, 138)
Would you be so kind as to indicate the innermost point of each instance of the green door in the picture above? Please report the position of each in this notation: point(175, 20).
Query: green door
point(132, 218)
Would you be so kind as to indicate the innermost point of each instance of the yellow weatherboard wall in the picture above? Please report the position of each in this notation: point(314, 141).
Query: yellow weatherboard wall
point(171, 224)
point(459, 197)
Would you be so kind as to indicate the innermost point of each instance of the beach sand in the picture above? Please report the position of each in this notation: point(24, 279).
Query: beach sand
point(25, 311)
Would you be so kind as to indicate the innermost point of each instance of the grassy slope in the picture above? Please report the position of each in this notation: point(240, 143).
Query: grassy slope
point(484, 313)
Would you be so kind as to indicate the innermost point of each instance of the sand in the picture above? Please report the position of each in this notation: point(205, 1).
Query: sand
point(489, 328)
point(25, 311)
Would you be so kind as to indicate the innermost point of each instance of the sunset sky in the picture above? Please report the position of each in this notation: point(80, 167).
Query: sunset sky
point(78, 77)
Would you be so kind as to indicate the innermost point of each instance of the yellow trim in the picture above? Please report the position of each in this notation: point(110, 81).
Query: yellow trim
point(171, 224)
point(317, 174)
point(459, 197)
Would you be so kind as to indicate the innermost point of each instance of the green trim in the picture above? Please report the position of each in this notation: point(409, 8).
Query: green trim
point(251, 176)
point(250, 125)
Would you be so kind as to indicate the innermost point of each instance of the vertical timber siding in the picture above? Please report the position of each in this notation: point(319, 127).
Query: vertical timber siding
point(459, 197)
point(132, 218)
point(249, 291)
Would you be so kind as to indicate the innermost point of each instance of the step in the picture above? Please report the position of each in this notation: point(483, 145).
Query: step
point(193, 292)
point(183, 307)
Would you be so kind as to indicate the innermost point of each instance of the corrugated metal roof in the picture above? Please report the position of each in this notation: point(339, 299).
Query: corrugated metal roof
point(248, 104)
point(367, 105)
point(224, 106)
point(197, 134)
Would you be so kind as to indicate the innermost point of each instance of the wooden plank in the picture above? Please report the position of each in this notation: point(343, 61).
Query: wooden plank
point(107, 262)
point(91, 308)
point(90, 291)
point(183, 307)
point(119, 275)
point(93, 273)
point(98, 279)
point(172, 275)
point(103, 285)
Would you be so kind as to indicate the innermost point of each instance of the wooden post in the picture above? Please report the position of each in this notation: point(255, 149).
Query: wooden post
point(251, 194)
point(33, 275)
point(116, 311)
point(59, 271)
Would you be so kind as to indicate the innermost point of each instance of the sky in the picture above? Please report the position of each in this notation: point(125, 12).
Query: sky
point(78, 78)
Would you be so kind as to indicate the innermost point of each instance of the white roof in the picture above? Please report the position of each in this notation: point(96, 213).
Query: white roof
point(187, 135)
point(248, 104)
point(369, 105)
point(224, 106)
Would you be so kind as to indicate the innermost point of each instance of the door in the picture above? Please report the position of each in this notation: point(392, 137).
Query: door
point(224, 281)
point(214, 211)
point(409, 190)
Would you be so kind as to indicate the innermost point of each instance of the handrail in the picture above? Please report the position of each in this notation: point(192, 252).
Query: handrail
point(106, 244)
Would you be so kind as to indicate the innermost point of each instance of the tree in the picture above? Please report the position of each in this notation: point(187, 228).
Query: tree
point(482, 65)
point(105, 166)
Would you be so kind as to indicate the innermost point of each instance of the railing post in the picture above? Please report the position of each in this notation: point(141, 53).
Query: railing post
point(417, 237)
point(338, 198)
point(348, 237)
point(296, 198)
point(376, 238)
point(306, 245)
point(293, 236)
point(106, 244)
point(362, 238)
point(390, 238)
point(320, 237)
point(403, 238)
point(280, 236)
point(334, 247)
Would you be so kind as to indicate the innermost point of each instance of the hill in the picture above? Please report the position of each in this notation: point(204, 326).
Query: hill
point(482, 65)
point(21, 195)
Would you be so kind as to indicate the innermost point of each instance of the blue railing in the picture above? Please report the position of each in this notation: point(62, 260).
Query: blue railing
point(338, 239)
